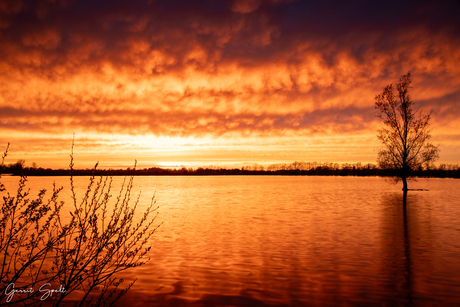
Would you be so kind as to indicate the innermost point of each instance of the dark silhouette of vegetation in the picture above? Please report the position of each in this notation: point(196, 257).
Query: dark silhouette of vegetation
point(405, 132)
point(284, 169)
point(47, 257)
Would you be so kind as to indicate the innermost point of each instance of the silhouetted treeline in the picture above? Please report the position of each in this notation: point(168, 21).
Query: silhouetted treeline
point(295, 168)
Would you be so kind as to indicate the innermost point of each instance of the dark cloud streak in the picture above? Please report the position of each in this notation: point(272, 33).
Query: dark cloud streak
point(275, 29)
point(187, 123)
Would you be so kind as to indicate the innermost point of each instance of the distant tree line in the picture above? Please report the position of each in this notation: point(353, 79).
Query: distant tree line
point(294, 168)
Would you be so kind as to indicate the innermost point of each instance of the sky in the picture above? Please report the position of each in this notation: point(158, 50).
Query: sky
point(226, 83)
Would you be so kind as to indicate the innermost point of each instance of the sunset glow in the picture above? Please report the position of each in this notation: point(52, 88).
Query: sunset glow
point(199, 83)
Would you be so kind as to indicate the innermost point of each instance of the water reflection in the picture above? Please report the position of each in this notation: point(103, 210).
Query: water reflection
point(299, 241)
point(406, 244)
point(328, 245)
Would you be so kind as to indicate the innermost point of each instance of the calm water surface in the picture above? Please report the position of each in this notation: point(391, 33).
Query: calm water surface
point(295, 241)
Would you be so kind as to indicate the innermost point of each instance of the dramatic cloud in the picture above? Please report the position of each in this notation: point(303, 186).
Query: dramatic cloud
point(216, 73)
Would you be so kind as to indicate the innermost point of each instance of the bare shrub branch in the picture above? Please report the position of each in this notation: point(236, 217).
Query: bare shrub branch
point(83, 255)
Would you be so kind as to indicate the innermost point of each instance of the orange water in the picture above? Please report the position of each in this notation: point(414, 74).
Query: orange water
point(295, 241)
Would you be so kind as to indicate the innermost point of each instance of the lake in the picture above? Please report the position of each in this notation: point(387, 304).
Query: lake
point(294, 241)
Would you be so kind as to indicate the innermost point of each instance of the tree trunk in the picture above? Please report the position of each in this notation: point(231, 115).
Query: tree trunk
point(404, 180)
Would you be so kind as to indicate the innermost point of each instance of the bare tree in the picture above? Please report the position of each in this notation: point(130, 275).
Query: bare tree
point(404, 134)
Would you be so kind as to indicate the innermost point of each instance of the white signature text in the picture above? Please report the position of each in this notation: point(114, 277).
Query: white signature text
point(45, 290)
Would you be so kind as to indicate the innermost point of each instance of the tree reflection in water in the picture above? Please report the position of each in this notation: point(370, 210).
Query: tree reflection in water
point(407, 248)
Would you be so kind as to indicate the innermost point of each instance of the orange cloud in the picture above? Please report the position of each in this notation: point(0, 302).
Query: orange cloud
point(235, 70)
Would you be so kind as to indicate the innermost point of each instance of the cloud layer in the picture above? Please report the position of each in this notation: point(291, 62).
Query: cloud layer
point(224, 70)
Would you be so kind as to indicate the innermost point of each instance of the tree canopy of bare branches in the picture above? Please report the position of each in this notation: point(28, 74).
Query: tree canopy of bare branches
point(405, 133)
